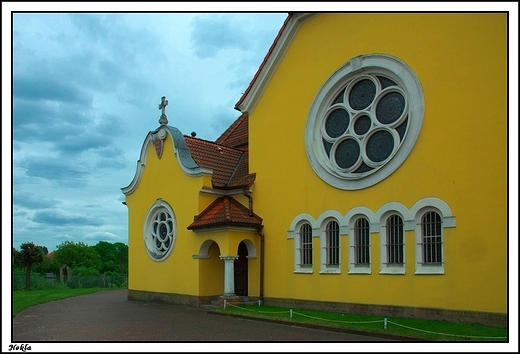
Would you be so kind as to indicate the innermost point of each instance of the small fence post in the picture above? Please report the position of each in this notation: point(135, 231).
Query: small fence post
point(224, 304)
point(290, 313)
point(384, 326)
point(259, 302)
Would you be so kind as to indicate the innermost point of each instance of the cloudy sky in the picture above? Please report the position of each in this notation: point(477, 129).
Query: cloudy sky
point(86, 89)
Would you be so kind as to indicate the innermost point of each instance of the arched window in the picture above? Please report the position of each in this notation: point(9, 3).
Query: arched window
point(431, 236)
point(362, 242)
point(394, 241)
point(305, 245)
point(332, 233)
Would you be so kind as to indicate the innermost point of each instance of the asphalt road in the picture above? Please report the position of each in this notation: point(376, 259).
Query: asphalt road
point(108, 316)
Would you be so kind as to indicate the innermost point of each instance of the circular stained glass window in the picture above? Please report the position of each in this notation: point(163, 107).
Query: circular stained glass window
point(390, 107)
point(160, 231)
point(380, 146)
point(362, 94)
point(336, 123)
point(362, 125)
point(361, 118)
point(347, 153)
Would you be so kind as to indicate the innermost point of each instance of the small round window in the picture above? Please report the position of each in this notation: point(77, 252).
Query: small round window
point(159, 231)
point(364, 121)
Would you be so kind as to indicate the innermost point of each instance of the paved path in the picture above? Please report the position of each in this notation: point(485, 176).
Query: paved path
point(110, 316)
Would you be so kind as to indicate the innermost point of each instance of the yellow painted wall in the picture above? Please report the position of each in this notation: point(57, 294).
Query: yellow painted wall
point(459, 157)
point(164, 178)
point(211, 273)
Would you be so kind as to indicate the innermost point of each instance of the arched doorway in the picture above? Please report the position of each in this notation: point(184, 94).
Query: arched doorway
point(240, 265)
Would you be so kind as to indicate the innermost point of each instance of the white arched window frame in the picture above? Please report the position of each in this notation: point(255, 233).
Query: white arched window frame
point(331, 228)
point(435, 234)
point(360, 255)
point(392, 244)
point(302, 242)
point(385, 213)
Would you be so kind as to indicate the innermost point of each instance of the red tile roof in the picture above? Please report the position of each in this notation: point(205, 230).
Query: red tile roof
point(226, 211)
point(230, 166)
point(237, 135)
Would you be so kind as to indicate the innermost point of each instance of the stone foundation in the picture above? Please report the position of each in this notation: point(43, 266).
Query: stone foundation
point(485, 318)
point(177, 299)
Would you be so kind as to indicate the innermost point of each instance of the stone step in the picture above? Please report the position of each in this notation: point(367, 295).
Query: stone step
point(209, 306)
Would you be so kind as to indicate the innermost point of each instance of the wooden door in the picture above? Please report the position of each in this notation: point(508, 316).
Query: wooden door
point(241, 271)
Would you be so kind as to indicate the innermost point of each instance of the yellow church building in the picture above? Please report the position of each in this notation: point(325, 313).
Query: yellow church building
point(366, 173)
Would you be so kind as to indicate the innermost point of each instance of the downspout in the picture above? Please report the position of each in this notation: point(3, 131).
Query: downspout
point(261, 266)
point(246, 193)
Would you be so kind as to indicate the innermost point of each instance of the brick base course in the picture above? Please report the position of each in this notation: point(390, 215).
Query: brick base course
point(485, 318)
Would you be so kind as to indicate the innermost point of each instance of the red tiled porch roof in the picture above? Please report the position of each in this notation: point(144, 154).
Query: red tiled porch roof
point(226, 211)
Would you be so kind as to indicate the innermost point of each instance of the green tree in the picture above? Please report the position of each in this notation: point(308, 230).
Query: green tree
point(16, 259)
point(113, 255)
point(77, 255)
point(30, 255)
point(122, 254)
point(49, 265)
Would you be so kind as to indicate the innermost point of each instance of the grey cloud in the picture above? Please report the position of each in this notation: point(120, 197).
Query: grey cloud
point(74, 143)
point(38, 87)
point(59, 218)
point(58, 170)
point(213, 34)
point(32, 201)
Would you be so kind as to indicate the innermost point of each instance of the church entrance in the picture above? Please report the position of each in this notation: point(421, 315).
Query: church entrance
point(241, 270)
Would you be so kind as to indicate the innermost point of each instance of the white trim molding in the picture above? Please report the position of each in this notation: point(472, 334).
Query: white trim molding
point(447, 220)
point(272, 60)
point(180, 150)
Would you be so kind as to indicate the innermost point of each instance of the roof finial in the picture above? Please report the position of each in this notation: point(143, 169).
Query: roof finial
point(162, 106)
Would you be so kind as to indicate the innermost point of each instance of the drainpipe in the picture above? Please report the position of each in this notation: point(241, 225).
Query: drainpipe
point(261, 266)
point(246, 193)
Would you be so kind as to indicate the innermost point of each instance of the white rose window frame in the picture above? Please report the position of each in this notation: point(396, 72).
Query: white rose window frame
point(364, 121)
point(160, 231)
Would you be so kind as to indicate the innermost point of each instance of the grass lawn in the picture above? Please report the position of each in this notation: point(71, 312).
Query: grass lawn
point(23, 299)
point(407, 327)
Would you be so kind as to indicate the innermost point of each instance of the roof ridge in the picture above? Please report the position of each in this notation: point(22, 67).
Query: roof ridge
point(214, 143)
point(231, 129)
point(236, 167)
point(227, 209)
point(264, 61)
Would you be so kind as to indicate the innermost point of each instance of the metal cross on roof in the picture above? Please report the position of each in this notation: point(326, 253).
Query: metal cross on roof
point(162, 106)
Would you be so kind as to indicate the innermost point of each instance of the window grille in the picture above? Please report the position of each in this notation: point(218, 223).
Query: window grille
point(395, 240)
point(332, 232)
point(306, 245)
point(431, 238)
point(362, 242)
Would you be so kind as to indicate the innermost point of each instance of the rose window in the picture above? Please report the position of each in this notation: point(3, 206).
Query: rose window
point(160, 230)
point(364, 121)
